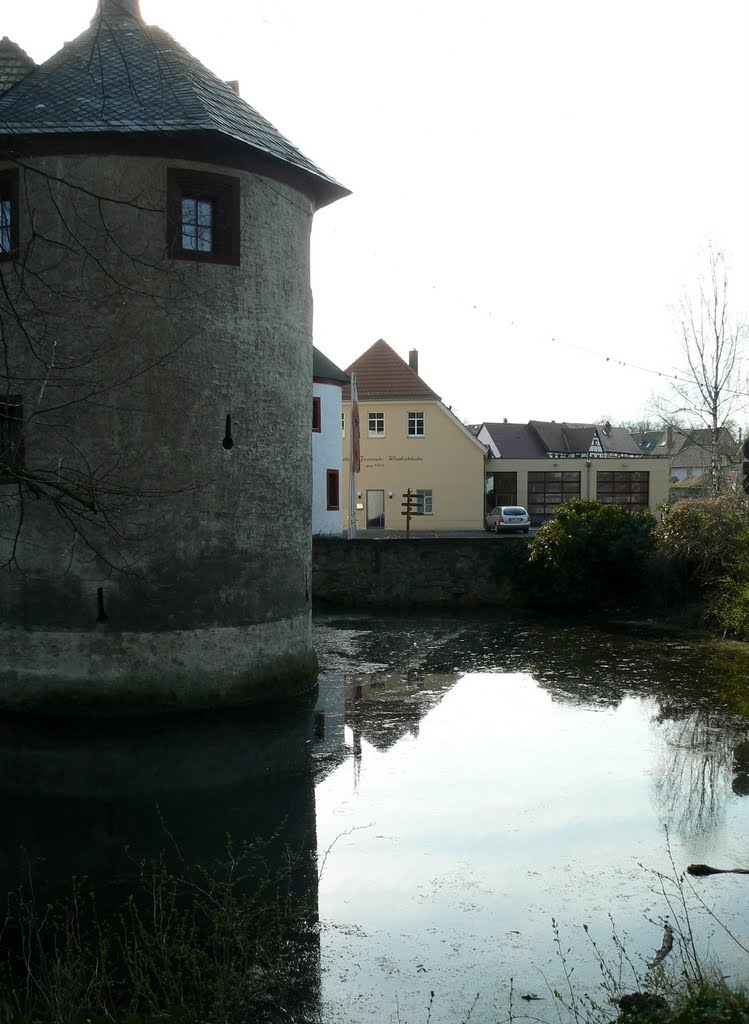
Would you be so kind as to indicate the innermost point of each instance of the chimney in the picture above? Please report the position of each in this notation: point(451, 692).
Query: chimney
point(670, 437)
point(413, 359)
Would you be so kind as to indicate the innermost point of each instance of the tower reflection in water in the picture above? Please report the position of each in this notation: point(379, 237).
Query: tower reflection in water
point(94, 800)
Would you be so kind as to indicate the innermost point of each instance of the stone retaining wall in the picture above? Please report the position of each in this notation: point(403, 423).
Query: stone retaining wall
point(427, 572)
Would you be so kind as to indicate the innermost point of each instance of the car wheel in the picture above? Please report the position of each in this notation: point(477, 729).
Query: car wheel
point(526, 529)
point(496, 528)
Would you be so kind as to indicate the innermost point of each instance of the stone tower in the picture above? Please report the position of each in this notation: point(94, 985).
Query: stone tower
point(155, 319)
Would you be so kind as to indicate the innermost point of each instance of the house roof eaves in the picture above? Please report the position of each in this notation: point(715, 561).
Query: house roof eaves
point(324, 368)
point(466, 430)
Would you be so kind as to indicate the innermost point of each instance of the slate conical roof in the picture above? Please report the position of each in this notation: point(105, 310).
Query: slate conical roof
point(123, 76)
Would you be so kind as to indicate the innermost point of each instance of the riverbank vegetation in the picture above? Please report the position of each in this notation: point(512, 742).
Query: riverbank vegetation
point(681, 984)
point(589, 555)
point(692, 565)
point(233, 945)
point(228, 944)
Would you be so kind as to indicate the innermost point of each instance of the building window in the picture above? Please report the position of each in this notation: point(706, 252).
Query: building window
point(623, 488)
point(333, 490)
point(416, 424)
point(11, 438)
point(316, 416)
point(203, 217)
point(343, 424)
point(8, 214)
point(501, 489)
point(377, 424)
point(547, 491)
point(425, 502)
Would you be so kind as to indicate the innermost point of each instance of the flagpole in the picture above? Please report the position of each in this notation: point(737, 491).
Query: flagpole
point(353, 458)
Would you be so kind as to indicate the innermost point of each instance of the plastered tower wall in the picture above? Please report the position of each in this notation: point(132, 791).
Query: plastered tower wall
point(190, 589)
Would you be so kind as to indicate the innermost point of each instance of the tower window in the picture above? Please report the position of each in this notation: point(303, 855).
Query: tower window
point(203, 217)
point(11, 438)
point(8, 214)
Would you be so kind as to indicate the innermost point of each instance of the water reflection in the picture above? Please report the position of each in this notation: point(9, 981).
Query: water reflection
point(491, 775)
point(92, 799)
point(698, 771)
point(474, 778)
point(390, 673)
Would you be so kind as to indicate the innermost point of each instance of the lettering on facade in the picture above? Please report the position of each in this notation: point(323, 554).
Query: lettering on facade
point(374, 463)
point(405, 458)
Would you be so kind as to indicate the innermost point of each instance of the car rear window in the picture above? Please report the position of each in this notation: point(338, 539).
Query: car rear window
point(511, 511)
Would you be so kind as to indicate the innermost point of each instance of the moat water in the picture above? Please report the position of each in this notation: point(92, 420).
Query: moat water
point(494, 786)
point(468, 795)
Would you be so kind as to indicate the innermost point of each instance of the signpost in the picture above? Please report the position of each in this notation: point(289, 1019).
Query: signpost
point(412, 507)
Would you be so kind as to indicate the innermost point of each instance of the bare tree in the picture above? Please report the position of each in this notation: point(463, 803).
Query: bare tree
point(711, 388)
point(80, 268)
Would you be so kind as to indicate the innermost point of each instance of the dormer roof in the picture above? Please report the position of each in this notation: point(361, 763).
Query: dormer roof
point(15, 64)
point(126, 78)
point(578, 438)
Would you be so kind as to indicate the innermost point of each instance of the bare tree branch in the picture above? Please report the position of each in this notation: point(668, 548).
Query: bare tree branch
point(711, 389)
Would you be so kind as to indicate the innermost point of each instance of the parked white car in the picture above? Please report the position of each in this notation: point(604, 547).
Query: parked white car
point(504, 518)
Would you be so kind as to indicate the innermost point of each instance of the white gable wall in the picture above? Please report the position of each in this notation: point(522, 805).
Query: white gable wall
point(326, 454)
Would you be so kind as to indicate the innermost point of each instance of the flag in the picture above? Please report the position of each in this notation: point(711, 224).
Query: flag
point(355, 436)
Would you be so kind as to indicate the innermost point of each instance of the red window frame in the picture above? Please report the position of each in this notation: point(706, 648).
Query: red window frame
point(222, 192)
point(316, 416)
point(333, 490)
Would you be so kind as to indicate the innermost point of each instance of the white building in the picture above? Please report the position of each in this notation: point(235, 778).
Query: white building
point(327, 499)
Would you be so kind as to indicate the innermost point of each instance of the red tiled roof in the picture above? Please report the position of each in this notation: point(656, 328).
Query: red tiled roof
point(381, 375)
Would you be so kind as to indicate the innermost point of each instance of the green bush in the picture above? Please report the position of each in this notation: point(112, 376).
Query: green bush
point(706, 540)
point(706, 545)
point(590, 555)
point(714, 1004)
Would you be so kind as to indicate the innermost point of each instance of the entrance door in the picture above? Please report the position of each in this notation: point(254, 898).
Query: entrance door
point(375, 510)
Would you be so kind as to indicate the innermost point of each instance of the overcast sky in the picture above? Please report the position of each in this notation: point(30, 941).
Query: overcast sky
point(533, 180)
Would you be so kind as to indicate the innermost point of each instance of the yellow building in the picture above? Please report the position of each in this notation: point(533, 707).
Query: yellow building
point(409, 439)
point(541, 465)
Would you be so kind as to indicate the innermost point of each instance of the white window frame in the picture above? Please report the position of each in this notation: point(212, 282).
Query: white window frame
point(378, 418)
point(196, 224)
point(415, 421)
point(426, 497)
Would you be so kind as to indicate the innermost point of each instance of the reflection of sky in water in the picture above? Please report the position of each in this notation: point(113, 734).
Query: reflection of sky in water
point(507, 809)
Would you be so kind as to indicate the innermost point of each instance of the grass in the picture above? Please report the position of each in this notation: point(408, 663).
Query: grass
point(233, 943)
point(680, 984)
point(227, 944)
